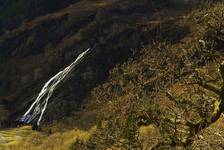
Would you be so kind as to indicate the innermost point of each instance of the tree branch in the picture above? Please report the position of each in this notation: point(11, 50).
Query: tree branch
point(210, 87)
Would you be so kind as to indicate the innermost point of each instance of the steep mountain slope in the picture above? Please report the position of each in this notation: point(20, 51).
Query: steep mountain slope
point(14, 12)
point(164, 98)
point(152, 98)
point(37, 49)
point(47, 43)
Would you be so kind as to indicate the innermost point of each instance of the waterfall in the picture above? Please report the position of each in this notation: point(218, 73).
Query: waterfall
point(39, 106)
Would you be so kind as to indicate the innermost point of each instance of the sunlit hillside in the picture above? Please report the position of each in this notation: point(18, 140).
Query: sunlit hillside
point(153, 80)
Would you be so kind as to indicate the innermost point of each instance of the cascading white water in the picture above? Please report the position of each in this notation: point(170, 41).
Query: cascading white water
point(39, 106)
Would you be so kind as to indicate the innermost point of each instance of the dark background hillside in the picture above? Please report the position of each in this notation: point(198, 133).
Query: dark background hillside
point(14, 12)
point(46, 38)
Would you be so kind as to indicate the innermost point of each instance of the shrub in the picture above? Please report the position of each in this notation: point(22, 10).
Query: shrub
point(211, 25)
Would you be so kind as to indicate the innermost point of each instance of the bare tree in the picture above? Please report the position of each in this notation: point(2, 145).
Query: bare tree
point(217, 90)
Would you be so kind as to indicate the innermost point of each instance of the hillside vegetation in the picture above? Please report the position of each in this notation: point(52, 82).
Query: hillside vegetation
point(154, 99)
point(151, 101)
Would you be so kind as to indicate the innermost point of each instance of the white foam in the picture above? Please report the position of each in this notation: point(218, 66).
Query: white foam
point(39, 106)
